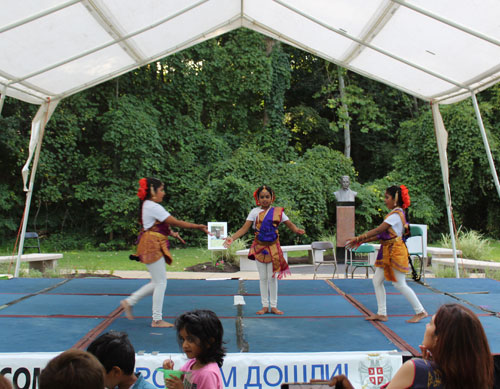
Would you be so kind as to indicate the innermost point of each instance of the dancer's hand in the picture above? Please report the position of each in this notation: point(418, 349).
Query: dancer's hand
point(228, 241)
point(352, 243)
point(300, 231)
point(177, 236)
point(203, 228)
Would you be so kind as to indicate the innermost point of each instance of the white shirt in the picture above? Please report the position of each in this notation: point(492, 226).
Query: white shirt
point(395, 222)
point(254, 213)
point(151, 212)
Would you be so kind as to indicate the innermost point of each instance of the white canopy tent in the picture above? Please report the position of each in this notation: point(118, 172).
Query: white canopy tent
point(439, 51)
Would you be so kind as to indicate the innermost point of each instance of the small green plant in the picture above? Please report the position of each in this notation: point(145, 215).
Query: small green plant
point(493, 274)
point(449, 272)
point(229, 255)
point(473, 244)
point(220, 264)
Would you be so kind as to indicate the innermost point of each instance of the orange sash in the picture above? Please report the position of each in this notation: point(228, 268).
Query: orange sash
point(152, 246)
point(394, 252)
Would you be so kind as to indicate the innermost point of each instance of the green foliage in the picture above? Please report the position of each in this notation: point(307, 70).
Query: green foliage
point(470, 180)
point(219, 119)
point(229, 255)
point(449, 272)
point(472, 243)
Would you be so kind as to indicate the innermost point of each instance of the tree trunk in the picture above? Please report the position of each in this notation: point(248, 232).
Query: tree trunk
point(347, 127)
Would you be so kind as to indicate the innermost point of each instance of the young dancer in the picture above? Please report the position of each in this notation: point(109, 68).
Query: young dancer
point(266, 249)
point(117, 355)
point(455, 354)
point(199, 334)
point(153, 247)
point(392, 259)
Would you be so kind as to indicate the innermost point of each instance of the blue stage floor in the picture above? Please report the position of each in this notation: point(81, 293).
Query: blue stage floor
point(52, 315)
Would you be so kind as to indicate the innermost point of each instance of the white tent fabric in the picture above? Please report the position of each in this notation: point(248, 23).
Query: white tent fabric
point(436, 50)
point(440, 51)
point(442, 142)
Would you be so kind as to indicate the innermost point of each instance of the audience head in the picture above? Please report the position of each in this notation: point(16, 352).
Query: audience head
point(460, 348)
point(205, 330)
point(117, 355)
point(73, 369)
point(4, 383)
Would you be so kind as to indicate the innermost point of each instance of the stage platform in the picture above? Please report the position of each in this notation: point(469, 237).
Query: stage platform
point(323, 329)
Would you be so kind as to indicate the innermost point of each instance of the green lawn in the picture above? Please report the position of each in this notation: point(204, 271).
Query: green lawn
point(494, 254)
point(119, 260)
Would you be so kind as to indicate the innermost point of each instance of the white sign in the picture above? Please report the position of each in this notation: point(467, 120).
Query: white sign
point(368, 370)
point(219, 234)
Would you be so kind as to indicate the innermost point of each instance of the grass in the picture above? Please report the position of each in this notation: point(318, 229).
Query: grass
point(494, 253)
point(472, 243)
point(118, 260)
point(91, 261)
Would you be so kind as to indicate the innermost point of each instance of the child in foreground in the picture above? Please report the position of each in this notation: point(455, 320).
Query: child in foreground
point(199, 334)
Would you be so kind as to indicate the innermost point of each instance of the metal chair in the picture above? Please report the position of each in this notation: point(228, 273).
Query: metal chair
point(32, 235)
point(318, 248)
point(361, 261)
point(417, 251)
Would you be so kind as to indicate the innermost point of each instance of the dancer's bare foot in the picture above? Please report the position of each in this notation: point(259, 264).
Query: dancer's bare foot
point(127, 309)
point(161, 324)
point(276, 311)
point(416, 318)
point(263, 311)
point(376, 318)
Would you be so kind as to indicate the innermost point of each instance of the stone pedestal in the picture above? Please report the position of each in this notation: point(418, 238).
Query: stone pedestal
point(345, 228)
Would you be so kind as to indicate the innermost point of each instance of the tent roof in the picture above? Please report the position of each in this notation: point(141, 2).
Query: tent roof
point(435, 50)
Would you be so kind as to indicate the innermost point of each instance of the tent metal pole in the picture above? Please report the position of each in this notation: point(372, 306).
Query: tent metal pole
point(2, 98)
point(441, 139)
point(460, 27)
point(485, 142)
point(369, 45)
point(44, 119)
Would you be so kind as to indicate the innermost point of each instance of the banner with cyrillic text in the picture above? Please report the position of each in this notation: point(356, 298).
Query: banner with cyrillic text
point(368, 370)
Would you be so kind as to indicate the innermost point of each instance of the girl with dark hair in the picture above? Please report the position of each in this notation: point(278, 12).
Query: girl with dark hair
point(392, 259)
point(153, 247)
point(266, 249)
point(199, 334)
point(455, 355)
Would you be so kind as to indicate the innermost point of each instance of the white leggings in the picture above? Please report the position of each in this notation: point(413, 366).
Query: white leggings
point(156, 287)
point(268, 284)
point(400, 284)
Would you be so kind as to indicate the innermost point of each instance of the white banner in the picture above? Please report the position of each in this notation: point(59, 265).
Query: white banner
point(366, 370)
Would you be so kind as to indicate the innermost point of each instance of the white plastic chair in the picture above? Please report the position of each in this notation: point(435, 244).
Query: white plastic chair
point(318, 249)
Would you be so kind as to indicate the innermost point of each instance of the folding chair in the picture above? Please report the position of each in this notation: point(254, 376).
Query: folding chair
point(361, 259)
point(318, 248)
point(416, 251)
point(32, 235)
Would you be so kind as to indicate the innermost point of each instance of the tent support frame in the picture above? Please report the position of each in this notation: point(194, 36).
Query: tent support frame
point(2, 98)
point(442, 140)
point(41, 118)
point(485, 142)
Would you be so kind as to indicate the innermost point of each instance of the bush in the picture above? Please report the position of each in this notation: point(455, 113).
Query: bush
point(473, 244)
point(229, 255)
point(449, 272)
